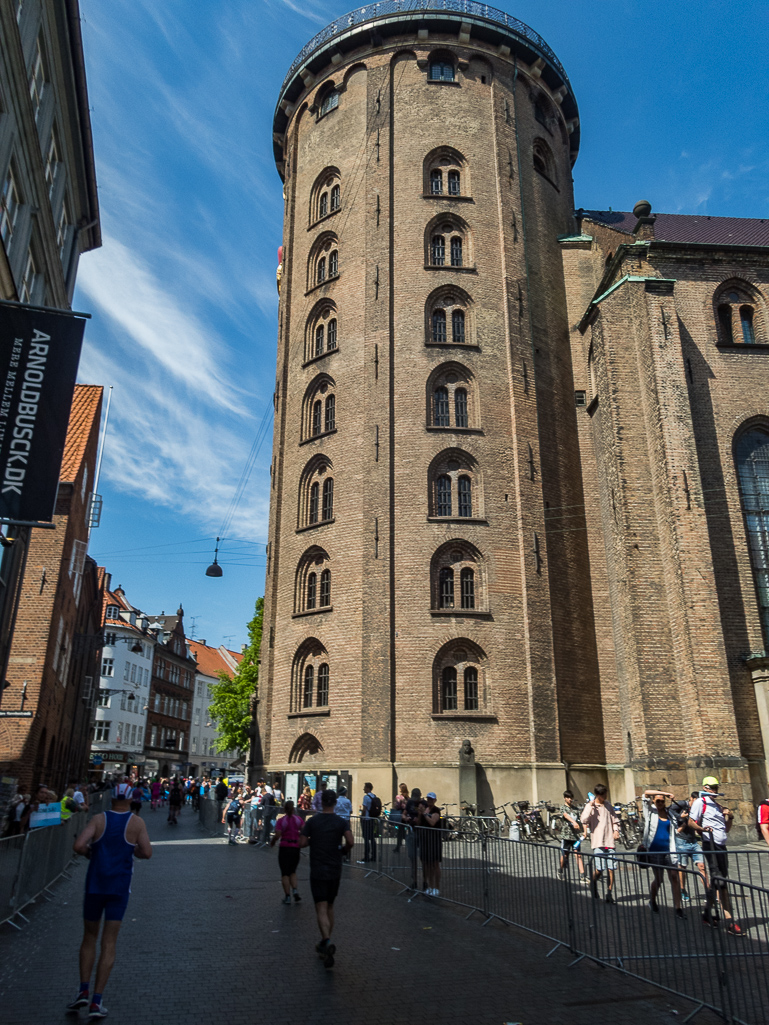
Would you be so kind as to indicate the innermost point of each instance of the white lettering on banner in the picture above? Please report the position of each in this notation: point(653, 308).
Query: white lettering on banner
point(24, 425)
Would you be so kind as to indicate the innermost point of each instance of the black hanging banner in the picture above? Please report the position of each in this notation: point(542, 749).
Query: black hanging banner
point(39, 356)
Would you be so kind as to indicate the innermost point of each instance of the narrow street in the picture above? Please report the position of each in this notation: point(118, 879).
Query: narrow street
point(206, 940)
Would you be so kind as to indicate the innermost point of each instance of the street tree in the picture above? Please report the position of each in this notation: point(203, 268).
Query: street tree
point(233, 697)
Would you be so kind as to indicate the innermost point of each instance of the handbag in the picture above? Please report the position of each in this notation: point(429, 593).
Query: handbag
point(642, 855)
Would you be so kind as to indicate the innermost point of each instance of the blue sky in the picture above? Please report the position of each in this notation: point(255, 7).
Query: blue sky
point(673, 100)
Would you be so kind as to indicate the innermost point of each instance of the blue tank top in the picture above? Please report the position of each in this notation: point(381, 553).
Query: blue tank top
point(661, 841)
point(112, 858)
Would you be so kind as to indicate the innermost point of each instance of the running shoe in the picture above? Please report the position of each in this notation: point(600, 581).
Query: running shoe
point(97, 1011)
point(734, 930)
point(609, 898)
point(654, 906)
point(708, 918)
point(81, 1000)
point(297, 898)
point(685, 896)
point(287, 899)
point(680, 913)
point(328, 957)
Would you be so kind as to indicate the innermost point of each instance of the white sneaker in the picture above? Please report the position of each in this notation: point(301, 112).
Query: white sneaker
point(436, 893)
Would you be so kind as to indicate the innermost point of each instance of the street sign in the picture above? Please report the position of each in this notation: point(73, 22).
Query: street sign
point(97, 760)
point(15, 713)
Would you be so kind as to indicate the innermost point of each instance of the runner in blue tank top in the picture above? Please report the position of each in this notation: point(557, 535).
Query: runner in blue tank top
point(111, 841)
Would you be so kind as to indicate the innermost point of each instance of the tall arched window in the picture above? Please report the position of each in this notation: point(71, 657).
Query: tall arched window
point(448, 242)
point(454, 183)
point(438, 251)
point(752, 459)
point(445, 173)
point(443, 495)
point(325, 195)
point(543, 161)
point(323, 676)
point(439, 327)
point(320, 276)
point(332, 334)
point(330, 419)
point(471, 689)
point(336, 198)
point(333, 263)
point(323, 207)
point(320, 331)
point(309, 676)
point(460, 407)
point(456, 572)
point(458, 327)
point(436, 181)
point(316, 417)
point(449, 689)
point(323, 263)
point(465, 495)
point(456, 251)
point(314, 495)
point(328, 498)
point(467, 583)
point(446, 582)
point(325, 588)
point(441, 407)
point(312, 581)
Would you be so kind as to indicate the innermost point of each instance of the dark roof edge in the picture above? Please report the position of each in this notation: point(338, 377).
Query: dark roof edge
point(81, 89)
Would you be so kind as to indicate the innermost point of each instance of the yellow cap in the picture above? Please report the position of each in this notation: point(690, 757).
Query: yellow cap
point(710, 781)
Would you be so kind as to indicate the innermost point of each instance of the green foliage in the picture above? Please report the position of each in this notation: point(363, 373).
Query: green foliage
point(231, 702)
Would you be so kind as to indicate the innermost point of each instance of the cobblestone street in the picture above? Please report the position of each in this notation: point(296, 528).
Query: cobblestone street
point(207, 940)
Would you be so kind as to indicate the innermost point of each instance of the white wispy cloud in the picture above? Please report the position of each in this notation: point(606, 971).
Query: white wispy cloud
point(308, 9)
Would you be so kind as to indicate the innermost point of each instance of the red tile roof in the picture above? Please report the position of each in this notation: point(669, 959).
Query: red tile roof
point(211, 662)
point(696, 228)
point(84, 416)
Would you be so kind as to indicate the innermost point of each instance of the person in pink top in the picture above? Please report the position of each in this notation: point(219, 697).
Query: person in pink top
point(287, 830)
point(598, 815)
point(155, 794)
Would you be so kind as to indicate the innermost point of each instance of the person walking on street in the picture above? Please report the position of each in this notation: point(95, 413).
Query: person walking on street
point(287, 830)
point(571, 835)
point(324, 834)
point(370, 811)
point(688, 846)
point(598, 815)
point(660, 842)
point(155, 789)
point(111, 841)
point(175, 799)
point(233, 813)
point(713, 822)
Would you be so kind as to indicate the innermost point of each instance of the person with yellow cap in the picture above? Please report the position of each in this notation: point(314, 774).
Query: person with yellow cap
point(713, 822)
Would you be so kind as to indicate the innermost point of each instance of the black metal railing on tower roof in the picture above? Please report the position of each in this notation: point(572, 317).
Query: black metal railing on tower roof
point(394, 7)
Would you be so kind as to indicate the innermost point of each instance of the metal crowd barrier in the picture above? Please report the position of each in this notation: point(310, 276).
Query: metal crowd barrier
point(518, 883)
point(32, 862)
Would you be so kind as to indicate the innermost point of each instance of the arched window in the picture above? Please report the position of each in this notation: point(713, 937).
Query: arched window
point(330, 422)
point(441, 70)
point(325, 194)
point(448, 242)
point(452, 398)
point(458, 327)
point(542, 157)
point(321, 272)
point(307, 669)
point(448, 316)
point(316, 491)
point(312, 587)
point(449, 689)
point(439, 327)
point(314, 494)
point(465, 493)
point(323, 263)
point(441, 407)
point(328, 499)
point(323, 676)
point(333, 263)
point(471, 689)
point(467, 583)
point(309, 676)
point(316, 417)
point(329, 102)
point(460, 660)
point(752, 460)
point(445, 173)
point(325, 588)
point(443, 495)
point(736, 314)
point(460, 408)
point(457, 567)
point(321, 332)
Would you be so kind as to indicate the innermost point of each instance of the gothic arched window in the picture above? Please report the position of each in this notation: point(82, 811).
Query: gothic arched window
point(439, 327)
point(736, 310)
point(751, 453)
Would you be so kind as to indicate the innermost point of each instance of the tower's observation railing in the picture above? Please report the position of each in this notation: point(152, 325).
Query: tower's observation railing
point(389, 8)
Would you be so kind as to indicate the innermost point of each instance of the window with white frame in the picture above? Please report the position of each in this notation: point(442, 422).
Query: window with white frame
point(110, 639)
point(52, 163)
point(28, 279)
point(108, 667)
point(101, 731)
point(10, 201)
point(37, 78)
point(62, 229)
point(104, 698)
point(153, 736)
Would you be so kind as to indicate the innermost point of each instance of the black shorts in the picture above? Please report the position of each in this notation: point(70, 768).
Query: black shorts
point(324, 890)
point(717, 861)
point(233, 819)
point(288, 860)
point(136, 807)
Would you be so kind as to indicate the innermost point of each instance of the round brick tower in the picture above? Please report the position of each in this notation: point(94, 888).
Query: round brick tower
point(420, 591)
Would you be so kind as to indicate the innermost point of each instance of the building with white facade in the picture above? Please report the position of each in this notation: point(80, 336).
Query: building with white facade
point(204, 757)
point(124, 686)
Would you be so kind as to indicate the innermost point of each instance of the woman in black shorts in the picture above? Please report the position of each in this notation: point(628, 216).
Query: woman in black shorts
point(287, 830)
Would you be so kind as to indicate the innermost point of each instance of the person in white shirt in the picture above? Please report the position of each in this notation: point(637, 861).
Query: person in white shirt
point(713, 822)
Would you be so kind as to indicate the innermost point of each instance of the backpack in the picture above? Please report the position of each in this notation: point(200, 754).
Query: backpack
point(234, 808)
point(375, 806)
point(759, 806)
point(268, 800)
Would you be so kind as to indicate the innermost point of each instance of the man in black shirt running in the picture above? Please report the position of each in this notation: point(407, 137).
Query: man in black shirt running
point(323, 834)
